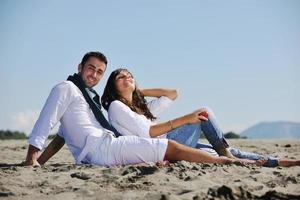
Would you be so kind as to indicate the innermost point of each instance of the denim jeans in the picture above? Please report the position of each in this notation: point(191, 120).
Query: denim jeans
point(189, 135)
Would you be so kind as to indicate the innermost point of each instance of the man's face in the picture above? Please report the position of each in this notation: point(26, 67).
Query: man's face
point(92, 71)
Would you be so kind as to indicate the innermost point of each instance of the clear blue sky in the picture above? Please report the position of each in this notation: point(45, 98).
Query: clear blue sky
point(241, 58)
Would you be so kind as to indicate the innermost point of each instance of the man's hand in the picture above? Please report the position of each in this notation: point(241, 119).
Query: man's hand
point(31, 158)
point(33, 163)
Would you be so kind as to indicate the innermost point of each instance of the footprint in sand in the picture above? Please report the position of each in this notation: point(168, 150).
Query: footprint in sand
point(278, 174)
point(81, 175)
point(255, 172)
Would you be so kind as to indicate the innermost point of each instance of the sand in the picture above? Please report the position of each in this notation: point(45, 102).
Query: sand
point(61, 179)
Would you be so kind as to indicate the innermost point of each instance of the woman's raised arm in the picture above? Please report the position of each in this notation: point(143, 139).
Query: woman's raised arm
point(158, 92)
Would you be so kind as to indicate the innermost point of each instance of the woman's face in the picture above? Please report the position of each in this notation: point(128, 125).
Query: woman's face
point(124, 82)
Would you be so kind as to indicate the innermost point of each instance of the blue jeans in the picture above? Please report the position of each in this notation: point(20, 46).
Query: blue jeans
point(189, 135)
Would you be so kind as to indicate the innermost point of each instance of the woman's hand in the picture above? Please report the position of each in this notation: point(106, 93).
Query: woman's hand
point(197, 116)
point(192, 118)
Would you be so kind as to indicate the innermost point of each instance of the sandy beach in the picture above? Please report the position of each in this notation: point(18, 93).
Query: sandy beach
point(61, 179)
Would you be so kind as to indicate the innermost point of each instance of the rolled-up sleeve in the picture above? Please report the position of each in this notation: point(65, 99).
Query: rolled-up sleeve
point(128, 122)
point(158, 105)
point(60, 132)
point(58, 101)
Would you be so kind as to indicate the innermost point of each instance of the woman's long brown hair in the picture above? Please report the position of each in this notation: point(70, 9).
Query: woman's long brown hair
point(110, 94)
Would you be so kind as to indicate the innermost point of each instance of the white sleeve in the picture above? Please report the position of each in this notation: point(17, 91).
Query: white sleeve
point(128, 122)
point(58, 101)
point(60, 132)
point(158, 105)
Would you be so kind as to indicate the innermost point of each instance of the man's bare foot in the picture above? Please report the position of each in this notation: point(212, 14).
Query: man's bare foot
point(225, 152)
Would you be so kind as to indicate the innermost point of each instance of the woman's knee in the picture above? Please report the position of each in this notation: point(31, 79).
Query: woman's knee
point(172, 151)
point(207, 109)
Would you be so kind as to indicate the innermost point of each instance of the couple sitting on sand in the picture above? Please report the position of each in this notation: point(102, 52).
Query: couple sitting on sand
point(91, 139)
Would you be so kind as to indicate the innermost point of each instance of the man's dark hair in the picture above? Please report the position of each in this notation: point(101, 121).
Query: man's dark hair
point(95, 54)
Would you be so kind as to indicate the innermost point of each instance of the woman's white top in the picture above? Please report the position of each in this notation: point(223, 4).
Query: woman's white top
point(128, 122)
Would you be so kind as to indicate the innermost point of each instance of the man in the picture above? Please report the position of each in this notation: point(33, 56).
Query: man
point(87, 133)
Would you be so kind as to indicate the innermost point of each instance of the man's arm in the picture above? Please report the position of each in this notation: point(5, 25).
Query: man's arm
point(50, 115)
point(31, 159)
point(56, 144)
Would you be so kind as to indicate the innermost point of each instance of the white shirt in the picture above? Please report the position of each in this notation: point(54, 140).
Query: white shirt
point(78, 123)
point(128, 122)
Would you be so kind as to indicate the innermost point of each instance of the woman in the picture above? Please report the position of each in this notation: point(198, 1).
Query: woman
point(130, 114)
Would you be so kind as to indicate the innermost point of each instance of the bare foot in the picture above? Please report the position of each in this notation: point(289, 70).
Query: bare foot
point(225, 152)
point(164, 163)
